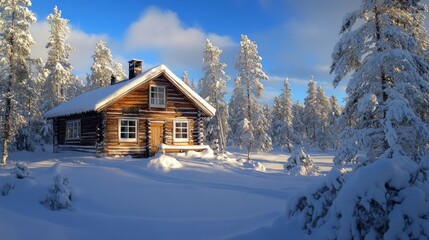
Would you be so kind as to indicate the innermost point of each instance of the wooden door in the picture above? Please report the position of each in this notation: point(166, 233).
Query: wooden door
point(156, 137)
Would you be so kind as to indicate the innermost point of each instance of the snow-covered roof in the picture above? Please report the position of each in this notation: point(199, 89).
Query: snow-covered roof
point(97, 99)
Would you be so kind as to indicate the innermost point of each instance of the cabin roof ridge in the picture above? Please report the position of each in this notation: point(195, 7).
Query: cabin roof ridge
point(98, 99)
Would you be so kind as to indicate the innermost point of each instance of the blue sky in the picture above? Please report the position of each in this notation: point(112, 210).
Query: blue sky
point(294, 38)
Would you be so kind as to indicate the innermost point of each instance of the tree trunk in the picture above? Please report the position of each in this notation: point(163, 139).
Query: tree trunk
point(6, 125)
point(384, 79)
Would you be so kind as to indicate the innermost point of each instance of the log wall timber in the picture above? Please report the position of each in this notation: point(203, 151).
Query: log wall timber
point(88, 126)
point(55, 136)
point(88, 133)
point(135, 105)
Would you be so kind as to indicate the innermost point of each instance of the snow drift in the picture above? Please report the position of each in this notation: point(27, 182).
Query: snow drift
point(164, 163)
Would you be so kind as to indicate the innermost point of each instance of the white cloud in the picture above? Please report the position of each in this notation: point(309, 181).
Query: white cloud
point(324, 68)
point(178, 45)
point(83, 43)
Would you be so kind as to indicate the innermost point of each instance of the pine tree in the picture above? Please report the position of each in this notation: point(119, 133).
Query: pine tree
point(57, 67)
point(298, 124)
point(103, 67)
point(29, 135)
point(212, 89)
point(185, 79)
point(277, 123)
point(322, 112)
point(382, 46)
point(333, 125)
point(389, 82)
point(310, 111)
point(118, 71)
point(282, 118)
point(250, 71)
point(15, 44)
point(263, 142)
point(236, 110)
point(300, 163)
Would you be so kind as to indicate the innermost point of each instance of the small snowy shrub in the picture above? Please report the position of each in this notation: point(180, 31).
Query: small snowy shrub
point(20, 171)
point(6, 188)
point(300, 163)
point(59, 195)
point(251, 164)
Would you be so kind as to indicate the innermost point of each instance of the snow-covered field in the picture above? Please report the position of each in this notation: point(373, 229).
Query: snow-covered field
point(195, 197)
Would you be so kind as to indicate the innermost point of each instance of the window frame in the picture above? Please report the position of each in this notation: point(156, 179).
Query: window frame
point(183, 140)
point(150, 96)
point(121, 139)
point(74, 124)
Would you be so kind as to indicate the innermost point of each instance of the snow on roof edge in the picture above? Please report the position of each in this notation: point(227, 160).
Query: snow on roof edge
point(211, 111)
point(104, 96)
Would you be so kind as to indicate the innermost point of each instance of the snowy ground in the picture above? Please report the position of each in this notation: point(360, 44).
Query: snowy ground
point(203, 198)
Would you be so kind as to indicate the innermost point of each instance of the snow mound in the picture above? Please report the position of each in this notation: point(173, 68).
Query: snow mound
point(206, 154)
point(251, 164)
point(164, 163)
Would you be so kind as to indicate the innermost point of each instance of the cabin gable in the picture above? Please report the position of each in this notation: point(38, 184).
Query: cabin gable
point(156, 125)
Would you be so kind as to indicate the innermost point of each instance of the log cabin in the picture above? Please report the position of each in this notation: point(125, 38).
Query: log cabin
point(151, 111)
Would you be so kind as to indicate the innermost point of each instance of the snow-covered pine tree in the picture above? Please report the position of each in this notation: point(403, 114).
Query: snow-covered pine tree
point(57, 67)
point(384, 111)
point(333, 126)
point(30, 101)
point(118, 71)
point(250, 71)
point(212, 88)
point(277, 123)
point(236, 111)
point(185, 79)
point(300, 163)
point(282, 118)
point(386, 196)
point(298, 124)
point(310, 111)
point(263, 120)
point(103, 67)
point(322, 112)
point(15, 50)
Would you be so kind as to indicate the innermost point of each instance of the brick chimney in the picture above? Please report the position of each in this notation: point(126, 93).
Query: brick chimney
point(112, 80)
point(134, 68)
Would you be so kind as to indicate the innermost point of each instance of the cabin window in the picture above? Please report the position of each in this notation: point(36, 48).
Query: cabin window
point(157, 96)
point(73, 130)
point(180, 132)
point(128, 130)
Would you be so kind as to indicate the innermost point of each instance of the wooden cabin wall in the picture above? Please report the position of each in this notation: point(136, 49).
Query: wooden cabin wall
point(88, 138)
point(135, 104)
